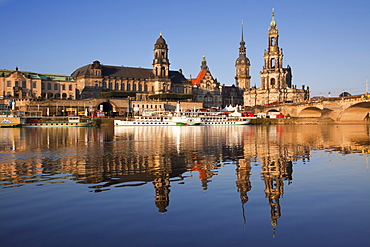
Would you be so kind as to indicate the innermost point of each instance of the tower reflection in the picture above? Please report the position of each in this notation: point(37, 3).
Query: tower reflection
point(106, 158)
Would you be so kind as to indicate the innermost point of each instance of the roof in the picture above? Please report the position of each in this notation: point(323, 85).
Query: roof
point(196, 81)
point(114, 71)
point(34, 75)
point(125, 72)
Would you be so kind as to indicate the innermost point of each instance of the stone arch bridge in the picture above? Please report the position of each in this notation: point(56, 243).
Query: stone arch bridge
point(346, 109)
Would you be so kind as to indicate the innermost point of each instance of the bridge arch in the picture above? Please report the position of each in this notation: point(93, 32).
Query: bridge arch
point(310, 112)
point(356, 112)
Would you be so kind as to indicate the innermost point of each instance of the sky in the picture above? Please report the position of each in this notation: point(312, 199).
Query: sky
point(326, 43)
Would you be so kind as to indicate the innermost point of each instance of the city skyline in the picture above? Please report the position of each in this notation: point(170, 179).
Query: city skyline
point(323, 42)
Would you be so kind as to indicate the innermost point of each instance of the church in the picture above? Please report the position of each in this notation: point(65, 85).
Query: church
point(139, 83)
point(276, 81)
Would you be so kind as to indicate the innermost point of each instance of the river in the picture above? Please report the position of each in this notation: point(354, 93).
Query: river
point(284, 185)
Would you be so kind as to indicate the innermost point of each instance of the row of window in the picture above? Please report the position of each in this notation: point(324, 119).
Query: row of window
point(56, 86)
point(34, 85)
point(147, 106)
point(134, 87)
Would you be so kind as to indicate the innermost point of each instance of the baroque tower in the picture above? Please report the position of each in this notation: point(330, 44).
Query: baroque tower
point(276, 81)
point(242, 65)
point(273, 75)
point(161, 66)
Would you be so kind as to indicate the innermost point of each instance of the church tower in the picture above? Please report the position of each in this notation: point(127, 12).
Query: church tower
point(161, 63)
point(273, 75)
point(161, 67)
point(242, 65)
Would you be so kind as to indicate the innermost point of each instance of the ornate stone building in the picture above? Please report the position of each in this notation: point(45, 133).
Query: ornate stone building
point(276, 81)
point(95, 78)
point(206, 89)
point(30, 85)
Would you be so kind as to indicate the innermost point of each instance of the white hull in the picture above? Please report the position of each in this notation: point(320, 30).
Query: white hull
point(218, 123)
point(118, 123)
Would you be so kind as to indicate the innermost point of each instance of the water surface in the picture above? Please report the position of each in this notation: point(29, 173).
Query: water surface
point(185, 186)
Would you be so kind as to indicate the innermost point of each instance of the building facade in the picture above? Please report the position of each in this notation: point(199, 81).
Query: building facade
point(276, 81)
point(206, 89)
point(95, 78)
point(30, 85)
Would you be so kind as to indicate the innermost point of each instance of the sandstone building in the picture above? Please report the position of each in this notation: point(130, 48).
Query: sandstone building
point(276, 81)
point(206, 89)
point(30, 85)
point(95, 78)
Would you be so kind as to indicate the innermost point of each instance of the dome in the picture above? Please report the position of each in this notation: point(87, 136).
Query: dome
point(243, 60)
point(160, 40)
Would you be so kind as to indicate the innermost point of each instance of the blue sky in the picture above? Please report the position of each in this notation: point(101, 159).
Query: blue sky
point(327, 43)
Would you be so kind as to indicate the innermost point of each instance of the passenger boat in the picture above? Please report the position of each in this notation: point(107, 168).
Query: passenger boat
point(223, 120)
point(217, 118)
point(149, 121)
point(69, 121)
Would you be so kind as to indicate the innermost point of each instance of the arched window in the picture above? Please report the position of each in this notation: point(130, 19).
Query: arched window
point(128, 87)
point(140, 87)
point(273, 41)
point(273, 63)
point(272, 82)
point(145, 88)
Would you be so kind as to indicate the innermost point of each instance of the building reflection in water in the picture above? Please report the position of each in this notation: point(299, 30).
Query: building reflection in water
point(134, 156)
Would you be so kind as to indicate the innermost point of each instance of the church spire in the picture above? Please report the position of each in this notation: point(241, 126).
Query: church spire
point(242, 49)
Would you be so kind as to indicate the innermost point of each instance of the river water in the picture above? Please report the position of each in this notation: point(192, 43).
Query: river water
point(185, 186)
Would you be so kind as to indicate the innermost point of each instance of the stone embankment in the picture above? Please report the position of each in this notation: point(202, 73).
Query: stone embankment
point(314, 121)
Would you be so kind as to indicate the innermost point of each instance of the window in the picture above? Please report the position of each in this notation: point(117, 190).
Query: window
point(110, 86)
point(63, 87)
point(55, 86)
point(145, 88)
point(128, 87)
point(272, 81)
point(16, 83)
point(70, 88)
point(49, 86)
point(273, 63)
point(24, 84)
point(42, 86)
point(122, 86)
point(9, 83)
point(140, 87)
point(34, 85)
point(134, 87)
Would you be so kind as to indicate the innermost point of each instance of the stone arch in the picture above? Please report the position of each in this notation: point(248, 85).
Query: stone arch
point(107, 107)
point(357, 112)
point(310, 112)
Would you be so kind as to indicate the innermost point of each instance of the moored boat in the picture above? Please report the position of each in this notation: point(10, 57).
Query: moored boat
point(69, 121)
point(148, 121)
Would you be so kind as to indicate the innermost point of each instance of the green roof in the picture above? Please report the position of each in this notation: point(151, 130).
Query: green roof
point(33, 75)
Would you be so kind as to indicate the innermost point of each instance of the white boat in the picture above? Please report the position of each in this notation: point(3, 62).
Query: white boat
point(223, 120)
point(149, 121)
